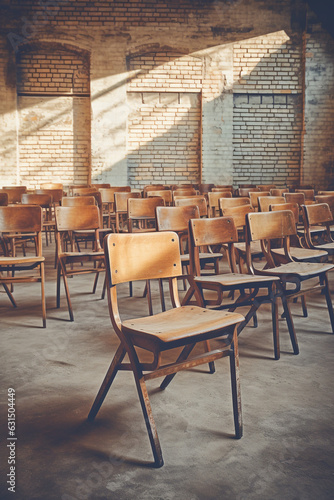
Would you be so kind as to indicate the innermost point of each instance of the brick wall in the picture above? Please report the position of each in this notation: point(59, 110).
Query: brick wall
point(318, 161)
point(213, 50)
point(54, 114)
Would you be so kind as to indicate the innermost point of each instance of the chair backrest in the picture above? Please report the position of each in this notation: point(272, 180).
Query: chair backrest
point(153, 187)
point(278, 191)
point(165, 194)
point(213, 201)
point(43, 200)
point(57, 194)
point(222, 188)
point(21, 218)
point(254, 197)
point(198, 200)
point(327, 193)
point(174, 187)
point(211, 231)
point(142, 256)
point(265, 202)
point(176, 218)
point(309, 193)
point(298, 198)
point(121, 200)
point(142, 208)
point(184, 192)
point(108, 194)
point(233, 202)
point(329, 199)
point(14, 193)
point(205, 188)
point(316, 214)
point(294, 207)
point(270, 225)
point(238, 214)
point(80, 191)
point(51, 185)
point(77, 218)
point(3, 199)
point(266, 187)
point(244, 191)
point(74, 201)
point(101, 185)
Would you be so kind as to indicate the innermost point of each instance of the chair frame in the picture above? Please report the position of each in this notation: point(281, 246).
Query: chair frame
point(152, 256)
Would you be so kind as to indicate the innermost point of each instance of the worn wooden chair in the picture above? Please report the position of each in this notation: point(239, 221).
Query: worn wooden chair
point(308, 193)
point(269, 226)
point(69, 262)
point(108, 203)
point(121, 209)
point(321, 217)
point(45, 201)
point(329, 199)
point(223, 231)
point(266, 187)
point(14, 193)
point(165, 194)
point(51, 185)
point(264, 202)
point(278, 191)
point(141, 213)
point(254, 198)
point(205, 188)
point(101, 185)
point(326, 193)
point(233, 202)
point(139, 256)
point(198, 200)
point(244, 191)
point(213, 202)
point(153, 187)
point(18, 220)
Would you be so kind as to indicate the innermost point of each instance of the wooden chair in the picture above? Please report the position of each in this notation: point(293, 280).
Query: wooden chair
point(184, 192)
point(165, 194)
point(198, 200)
point(278, 191)
point(69, 262)
point(141, 213)
point(326, 193)
point(269, 226)
point(213, 202)
point(244, 191)
point(17, 220)
point(14, 193)
point(320, 217)
point(223, 231)
point(132, 257)
point(105, 185)
point(264, 202)
point(205, 188)
point(80, 191)
point(309, 193)
point(233, 202)
point(121, 209)
point(329, 199)
point(45, 201)
point(153, 187)
point(77, 186)
point(222, 189)
point(108, 204)
point(266, 187)
point(51, 185)
point(254, 198)
point(298, 251)
point(3, 199)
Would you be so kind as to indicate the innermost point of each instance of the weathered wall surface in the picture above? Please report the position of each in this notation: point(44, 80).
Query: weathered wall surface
point(179, 91)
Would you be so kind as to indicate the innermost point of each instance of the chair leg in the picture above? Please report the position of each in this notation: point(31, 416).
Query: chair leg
point(67, 291)
point(162, 296)
point(274, 314)
point(289, 321)
point(324, 280)
point(235, 384)
point(149, 297)
point(304, 306)
point(212, 368)
point(149, 420)
point(10, 295)
point(108, 380)
point(43, 294)
point(58, 284)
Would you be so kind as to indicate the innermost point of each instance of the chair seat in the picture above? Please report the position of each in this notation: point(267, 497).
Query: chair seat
point(81, 254)
point(302, 254)
point(329, 247)
point(203, 256)
point(13, 261)
point(178, 325)
point(303, 270)
point(231, 279)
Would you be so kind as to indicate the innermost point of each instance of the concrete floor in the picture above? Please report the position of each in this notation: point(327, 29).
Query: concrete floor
point(287, 451)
